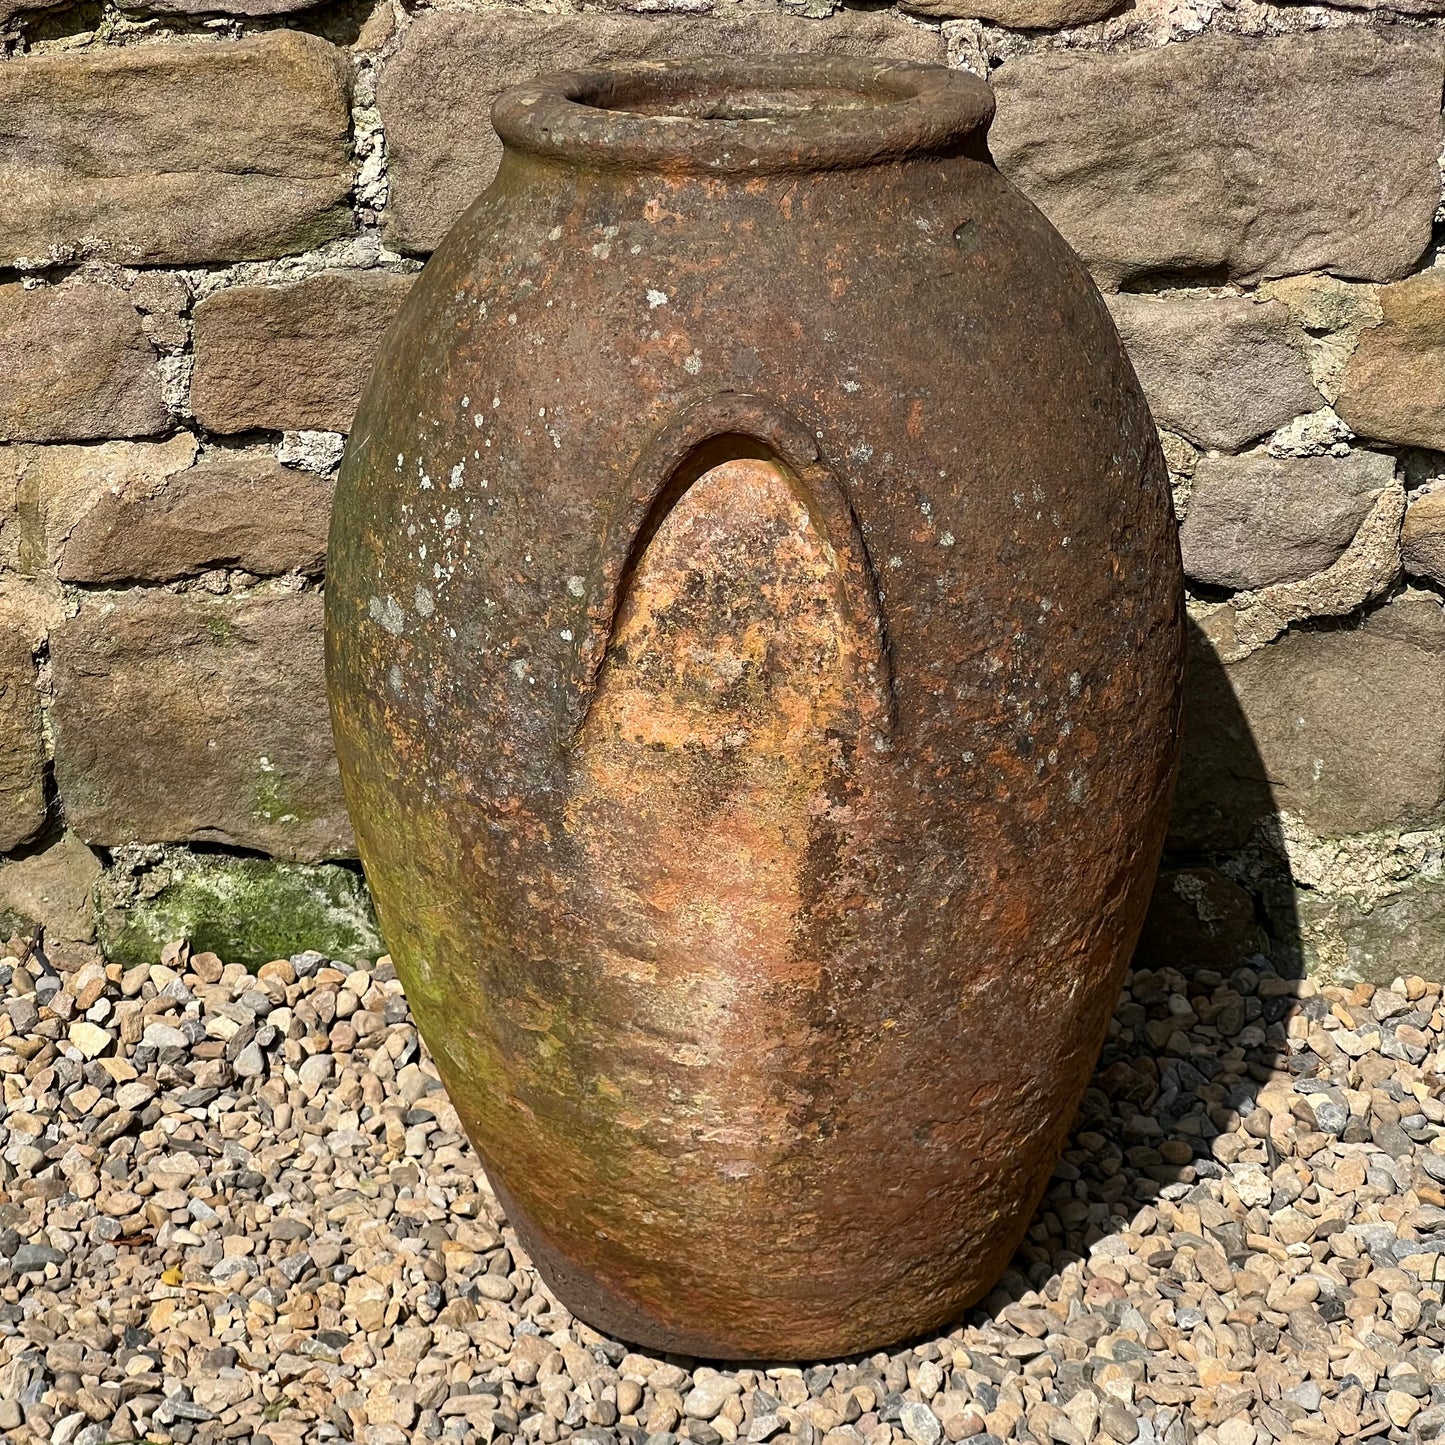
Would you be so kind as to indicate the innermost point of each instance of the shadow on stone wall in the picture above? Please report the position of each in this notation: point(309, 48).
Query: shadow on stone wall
point(1200, 1023)
point(1200, 918)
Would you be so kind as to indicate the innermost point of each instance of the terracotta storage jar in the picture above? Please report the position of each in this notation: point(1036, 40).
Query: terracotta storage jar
point(754, 630)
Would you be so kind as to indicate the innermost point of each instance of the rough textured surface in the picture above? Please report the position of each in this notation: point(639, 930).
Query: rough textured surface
point(372, 1160)
point(191, 717)
point(11, 9)
point(1197, 919)
point(437, 91)
point(150, 512)
point(76, 364)
point(1422, 537)
point(52, 889)
point(1393, 387)
point(1242, 1242)
point(291, 357)
point(1220, 371)
point(1365, 571)
point(1348, 729)
point(1192, 130)
point(174, 154)
point(1256, 520)
point(1232, 158)
point(22, 746)
point(251, 909)
point(1017, 14)
point(218, 7)
point(1404, 930)
point(725, 855)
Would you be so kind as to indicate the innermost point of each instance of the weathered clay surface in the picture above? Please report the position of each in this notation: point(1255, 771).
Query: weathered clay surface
point(188, 717)
point(150, 512)
point(729, 750)
point(1220, 371)
point(175, 153)
point(1422, 537)
point(1257, 520)
point(291, 357)
point(1016, 14)
point(76, 364)
point(1232, 158)
point(1393, 387)
point(1348, 728)
point(437, 91)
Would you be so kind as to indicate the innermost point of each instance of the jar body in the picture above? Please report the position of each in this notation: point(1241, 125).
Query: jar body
point(754, 631)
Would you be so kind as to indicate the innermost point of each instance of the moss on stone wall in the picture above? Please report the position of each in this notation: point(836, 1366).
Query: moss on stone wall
point(247, 910)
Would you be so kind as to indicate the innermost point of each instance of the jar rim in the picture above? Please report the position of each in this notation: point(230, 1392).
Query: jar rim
point(744, 116)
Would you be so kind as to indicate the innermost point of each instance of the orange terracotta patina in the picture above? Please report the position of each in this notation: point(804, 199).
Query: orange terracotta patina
point(754, 631)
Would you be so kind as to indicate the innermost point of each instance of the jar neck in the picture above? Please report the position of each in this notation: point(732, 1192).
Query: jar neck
point(746, 118)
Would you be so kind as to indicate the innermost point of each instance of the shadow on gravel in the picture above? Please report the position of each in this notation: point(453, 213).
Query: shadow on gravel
point(1199, 1027)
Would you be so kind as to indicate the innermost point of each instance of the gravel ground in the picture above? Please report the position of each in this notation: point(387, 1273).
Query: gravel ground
point(240, 1208)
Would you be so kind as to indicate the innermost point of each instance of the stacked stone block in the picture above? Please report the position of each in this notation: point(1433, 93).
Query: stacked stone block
point(211, 209)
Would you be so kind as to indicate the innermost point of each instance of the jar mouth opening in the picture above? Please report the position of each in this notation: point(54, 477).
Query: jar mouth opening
point(746, 116)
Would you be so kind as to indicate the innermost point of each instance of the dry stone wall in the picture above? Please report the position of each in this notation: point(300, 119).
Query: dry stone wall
point(210, 210)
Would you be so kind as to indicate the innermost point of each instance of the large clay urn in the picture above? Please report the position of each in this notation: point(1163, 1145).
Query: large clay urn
point(754, 632)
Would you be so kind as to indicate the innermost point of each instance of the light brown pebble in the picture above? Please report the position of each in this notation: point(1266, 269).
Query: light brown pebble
point(1400, 1407)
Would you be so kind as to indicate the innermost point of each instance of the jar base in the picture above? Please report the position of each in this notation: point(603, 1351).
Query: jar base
point(610, 1313)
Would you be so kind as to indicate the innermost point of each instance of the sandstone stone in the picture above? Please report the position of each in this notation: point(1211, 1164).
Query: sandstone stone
point(1393, 387)
point(1422, 537)
point(1197, 919)
point(1412, 615)
point(1333, 313)
point(142, 512)
point(181, 153)
point(1220, 371)
point(436, 92)
point(1222, 789)
point(12, 462)
point(1393, 7)
point(55, 888)
point(218, 7)
point(22, 744)
point(1361, 574)
point(1231, 157)
point(1256, 520)
point(291, 357)
point(1346, 938)
point(188, 717)
point(1364, 571)
point(1016, 14)
point(9, 9)
point(1345, 729)
point(77, 364)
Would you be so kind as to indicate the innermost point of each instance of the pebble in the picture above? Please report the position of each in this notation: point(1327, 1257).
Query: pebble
point(90, 1039)
point(1400, 1407)
point(920, 1424)
point(240, 1208)
point(163, 1036)
point(710, 1392)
